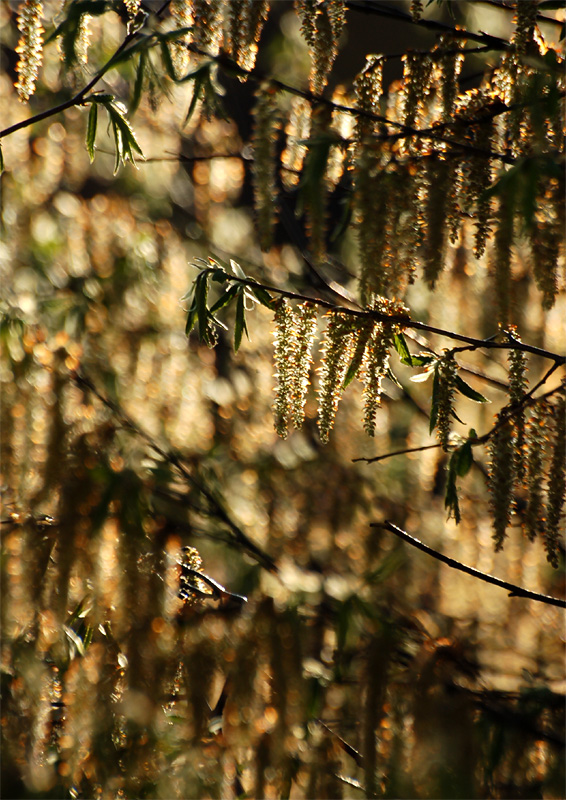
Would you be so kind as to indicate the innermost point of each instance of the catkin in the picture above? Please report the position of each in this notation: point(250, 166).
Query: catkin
point(337, 349)
point(556, 483)
point(501, 477)
point(29, 47)
point(266, 125)
point(284, 356)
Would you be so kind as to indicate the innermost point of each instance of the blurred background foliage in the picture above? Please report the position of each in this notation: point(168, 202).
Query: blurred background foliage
point(358, 667)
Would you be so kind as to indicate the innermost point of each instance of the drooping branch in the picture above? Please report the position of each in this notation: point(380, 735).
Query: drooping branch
point(403, 321)
point(513, 589)
point(527, 401)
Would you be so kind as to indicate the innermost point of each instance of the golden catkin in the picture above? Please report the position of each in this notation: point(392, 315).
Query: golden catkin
point(417, 77)
point(321, 26)
point(375, 366)
point(536, 441)
point(29, 47)
point(266, 125)
point(297, 130)
point(284, 357)
point(446, 374)
point(245, 23)
point(517, 389)
point(336, 353)
point(181, 12)
point(556, 483)
point(371, 196)
point(501, 477)
point(449, 66)
point(207, 16)
point(546, 241)
point(306, 325)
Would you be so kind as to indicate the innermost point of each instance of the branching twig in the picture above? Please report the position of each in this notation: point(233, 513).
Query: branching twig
point(514, 591)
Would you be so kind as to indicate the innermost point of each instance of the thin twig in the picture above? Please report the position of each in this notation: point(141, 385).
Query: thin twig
point(398, 453)
point(513, 589)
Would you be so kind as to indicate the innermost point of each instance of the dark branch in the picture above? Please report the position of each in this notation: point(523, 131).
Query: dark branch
point(514, 591)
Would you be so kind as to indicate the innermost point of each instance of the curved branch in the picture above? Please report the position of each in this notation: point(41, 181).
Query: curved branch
point(513, 589)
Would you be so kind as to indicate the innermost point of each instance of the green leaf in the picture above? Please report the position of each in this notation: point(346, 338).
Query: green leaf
point(422, 360)
point(401, 346)
point(138, 85)
point(465, 459)
point(451, 496)
point(124, 138)
point(389, 374)
point(422, 376)
point(240, 326)
point(467, 390)
point(91, 130)
point(201, 294)
point(435, 396)
point(225, 298)
point(262, 296)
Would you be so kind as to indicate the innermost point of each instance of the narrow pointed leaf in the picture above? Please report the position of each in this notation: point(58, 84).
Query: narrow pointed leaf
point(434, 404)
point(91, 130)
point(402, 348)
point(469, 392)
point(240, 326)
point(225, 298)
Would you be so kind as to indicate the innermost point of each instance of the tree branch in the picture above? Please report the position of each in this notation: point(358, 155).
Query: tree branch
point(514, 591)
point(403, 321)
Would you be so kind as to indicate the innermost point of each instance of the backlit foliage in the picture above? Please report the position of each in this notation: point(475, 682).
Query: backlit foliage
point(196, 605)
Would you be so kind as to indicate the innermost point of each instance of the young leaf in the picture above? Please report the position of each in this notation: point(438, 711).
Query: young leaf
point(435, 398)
point(263, 297)
point(240, 326)
point(402, 348)
point(451, 497)
point(225, 298)
point(201, 294)
point(467, 390)
point(138, 85)
point(465, 459)
point(422, 376)
point(91, 130)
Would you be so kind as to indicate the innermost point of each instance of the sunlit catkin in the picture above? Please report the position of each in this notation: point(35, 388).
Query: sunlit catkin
point(556, 483)
point(207, 15)
point(417, 75)
point(321, 26)
point(306, 324)
point(416, 9)
point(534, 517)
point(266, 125)
point(245, 22)
point(376, 362)
point(29, 47)
point(297, 130)
point(336, 353)
point(445, 379)
point(501, 477)
point(284, 356)
point(517, 389)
